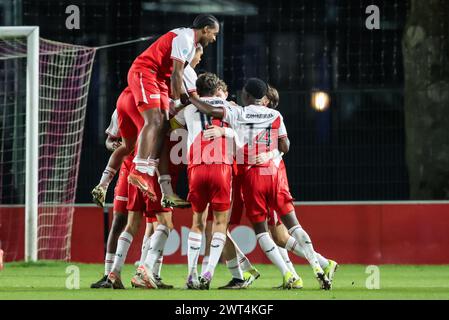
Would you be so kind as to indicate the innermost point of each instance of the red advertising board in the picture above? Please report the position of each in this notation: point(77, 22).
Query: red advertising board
point(383, 233)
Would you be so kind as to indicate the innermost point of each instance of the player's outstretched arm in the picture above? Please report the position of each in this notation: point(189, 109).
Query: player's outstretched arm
point(207, 109)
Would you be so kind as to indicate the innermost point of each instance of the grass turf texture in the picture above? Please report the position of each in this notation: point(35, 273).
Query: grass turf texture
point(47, 280)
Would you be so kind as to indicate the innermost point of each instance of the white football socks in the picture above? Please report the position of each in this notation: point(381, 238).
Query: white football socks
point(271, 251)
point(292, 245)
point(304, 241)
point(141, 164)
point(204, 264)
point(107, 176)
point(108, 263)
point(234, 267)
point(158, 265)
point(146, 242)
point(193, 252)
point(152, 166)
point(216, 248)
point(245, 264)
point(288, 262)
point(165, 183)
point(158, 240)
point(123, 244)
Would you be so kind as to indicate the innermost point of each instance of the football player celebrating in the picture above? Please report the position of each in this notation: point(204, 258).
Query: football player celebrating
point(210, 176)
point(262, 128)
point(152, 73)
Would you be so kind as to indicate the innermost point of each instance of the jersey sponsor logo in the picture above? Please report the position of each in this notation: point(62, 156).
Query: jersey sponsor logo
point(155, 96)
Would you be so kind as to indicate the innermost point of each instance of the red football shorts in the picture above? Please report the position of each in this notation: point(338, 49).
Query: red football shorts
point(137, 202)
point(130, 120)
point(266, 190)
point(149, 91)
point(210, 183)
point(237, 199)
point(273, 219)
point(151, 219)
point(121, 188)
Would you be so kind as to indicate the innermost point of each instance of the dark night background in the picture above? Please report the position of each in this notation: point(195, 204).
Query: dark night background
point(353, 151)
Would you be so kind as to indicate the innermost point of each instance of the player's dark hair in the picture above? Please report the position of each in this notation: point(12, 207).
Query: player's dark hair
point(207, 84)
point(257, 88)
point(273, 97)
point(204, 20)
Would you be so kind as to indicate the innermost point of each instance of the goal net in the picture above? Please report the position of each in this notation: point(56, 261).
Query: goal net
point(64, 75)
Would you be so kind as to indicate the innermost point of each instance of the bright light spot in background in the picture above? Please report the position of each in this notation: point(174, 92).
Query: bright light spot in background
point(320, 101)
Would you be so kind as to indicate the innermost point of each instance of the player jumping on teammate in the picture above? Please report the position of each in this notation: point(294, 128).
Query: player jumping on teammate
point(152, 73)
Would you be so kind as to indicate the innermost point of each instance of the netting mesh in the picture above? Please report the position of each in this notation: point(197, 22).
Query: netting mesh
point(64, 75)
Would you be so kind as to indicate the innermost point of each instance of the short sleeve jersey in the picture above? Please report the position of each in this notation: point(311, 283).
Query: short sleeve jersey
point(177, 44)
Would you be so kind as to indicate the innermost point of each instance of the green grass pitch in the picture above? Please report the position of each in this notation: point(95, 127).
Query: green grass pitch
point(47, 280)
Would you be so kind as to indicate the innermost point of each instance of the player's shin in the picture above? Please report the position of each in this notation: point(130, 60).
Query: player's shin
point(165, 183)
point(216, 248)
point(244, 262)
point(108, 263)
point(158, 265)
point(271, 251)
point(291, 267)
point(193, 253)
point(123, 244)
point(146, 242)
point(234, 268)
point(158, 240)
point(292, 246)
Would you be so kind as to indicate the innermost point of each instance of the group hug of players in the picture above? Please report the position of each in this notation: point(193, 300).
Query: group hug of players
point(234, 164)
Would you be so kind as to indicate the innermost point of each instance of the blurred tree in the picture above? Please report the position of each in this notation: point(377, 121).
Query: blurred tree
point(426, 68)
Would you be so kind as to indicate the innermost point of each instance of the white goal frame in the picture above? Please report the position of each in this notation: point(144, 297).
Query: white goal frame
point(31, 135)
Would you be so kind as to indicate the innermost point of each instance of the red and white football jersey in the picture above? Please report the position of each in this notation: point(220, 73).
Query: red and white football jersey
point(178, 44)
point(113, 129)
point(257, 130)
point(200, 150)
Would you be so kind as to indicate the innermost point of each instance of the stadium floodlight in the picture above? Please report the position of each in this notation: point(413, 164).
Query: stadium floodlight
point(40, 169)
point(32, 133)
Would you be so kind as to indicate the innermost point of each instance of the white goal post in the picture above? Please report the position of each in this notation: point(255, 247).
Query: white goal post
point(31, 135)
